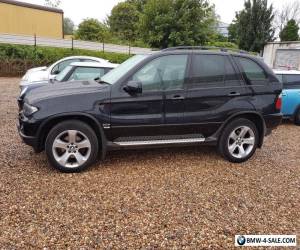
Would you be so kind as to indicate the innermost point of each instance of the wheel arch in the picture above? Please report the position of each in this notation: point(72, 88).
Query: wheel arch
point(253, 116)
point(52, 121)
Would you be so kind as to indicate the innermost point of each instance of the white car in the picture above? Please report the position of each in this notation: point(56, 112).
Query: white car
point(78, 71)
point(48, 73)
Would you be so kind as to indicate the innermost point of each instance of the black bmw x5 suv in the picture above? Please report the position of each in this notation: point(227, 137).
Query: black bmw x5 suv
point(179, 96)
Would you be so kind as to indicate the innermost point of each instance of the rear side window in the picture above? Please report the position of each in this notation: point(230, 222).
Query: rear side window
point(85, 73)
point(291, 81)
point(212, 71)
point(252, 70)
point(62, 65)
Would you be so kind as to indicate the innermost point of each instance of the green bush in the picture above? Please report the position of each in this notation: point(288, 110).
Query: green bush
point(15, 60)
point(48, 55)
point(223, 44)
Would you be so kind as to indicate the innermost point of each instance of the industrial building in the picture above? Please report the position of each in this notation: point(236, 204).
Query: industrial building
point(30, 19)
point(283, 55)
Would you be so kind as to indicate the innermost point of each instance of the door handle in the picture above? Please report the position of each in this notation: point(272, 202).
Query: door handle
point(178, 97)
point(234, 94)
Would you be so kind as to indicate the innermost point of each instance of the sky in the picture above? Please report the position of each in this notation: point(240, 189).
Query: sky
point(77, 10)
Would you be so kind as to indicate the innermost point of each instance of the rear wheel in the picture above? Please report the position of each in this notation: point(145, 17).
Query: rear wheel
point(71, 146)
point(239, 140)
point(297, 117)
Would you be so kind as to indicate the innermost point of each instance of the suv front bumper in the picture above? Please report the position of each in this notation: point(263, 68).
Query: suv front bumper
point(23, 127)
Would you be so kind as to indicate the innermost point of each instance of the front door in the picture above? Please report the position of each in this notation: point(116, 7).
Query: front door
point(161, 102)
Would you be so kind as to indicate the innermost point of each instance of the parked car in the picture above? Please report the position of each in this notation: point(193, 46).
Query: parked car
point(74, 72)
point(174, 97)
point(47, 73)
point(290, 94)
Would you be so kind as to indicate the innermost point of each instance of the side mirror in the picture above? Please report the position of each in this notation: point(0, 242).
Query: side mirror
point(133, 87)
point(56, 72)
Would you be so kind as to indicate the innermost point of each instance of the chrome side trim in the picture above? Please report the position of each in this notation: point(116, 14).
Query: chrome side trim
point(159, 142)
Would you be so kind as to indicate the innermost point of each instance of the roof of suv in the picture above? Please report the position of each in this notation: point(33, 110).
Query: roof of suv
point(209, 50)
point(205, 48)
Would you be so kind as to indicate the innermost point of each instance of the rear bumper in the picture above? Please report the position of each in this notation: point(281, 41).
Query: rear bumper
point(272, 122)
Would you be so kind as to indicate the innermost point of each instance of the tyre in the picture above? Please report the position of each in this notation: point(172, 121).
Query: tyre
point(297, 117)
point(71, 146)
point(239, 140)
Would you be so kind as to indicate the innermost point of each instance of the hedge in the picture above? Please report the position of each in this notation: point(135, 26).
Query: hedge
point(15, 60)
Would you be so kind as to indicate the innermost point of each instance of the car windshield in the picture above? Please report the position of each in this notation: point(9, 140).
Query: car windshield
point(63, 74)
point(114, 75)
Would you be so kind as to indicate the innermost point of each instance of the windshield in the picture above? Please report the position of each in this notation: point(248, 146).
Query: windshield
point(114, 75)
point(60, 77)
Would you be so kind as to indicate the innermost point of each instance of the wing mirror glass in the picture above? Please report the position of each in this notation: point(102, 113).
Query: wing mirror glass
point(133, 87)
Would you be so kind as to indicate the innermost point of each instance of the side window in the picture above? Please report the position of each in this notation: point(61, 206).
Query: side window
point(82, 73)
point(252, 70)
point(62, 65)
point(292, 81)
point(167, 72)
point(210, 71)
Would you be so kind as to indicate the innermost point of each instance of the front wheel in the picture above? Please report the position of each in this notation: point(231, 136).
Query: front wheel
point(239, 140)
point(71, 146)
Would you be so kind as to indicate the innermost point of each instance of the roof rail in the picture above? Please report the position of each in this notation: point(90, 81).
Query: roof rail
point(222, 49)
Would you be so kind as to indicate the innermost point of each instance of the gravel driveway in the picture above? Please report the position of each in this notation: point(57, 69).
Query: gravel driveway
point(155, 199)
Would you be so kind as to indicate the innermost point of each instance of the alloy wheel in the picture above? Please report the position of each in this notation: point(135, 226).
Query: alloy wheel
point(241, 142)
point(71, 148)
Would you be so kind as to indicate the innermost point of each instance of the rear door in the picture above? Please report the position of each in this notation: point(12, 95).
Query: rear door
point(261, 84)
point(214, 92)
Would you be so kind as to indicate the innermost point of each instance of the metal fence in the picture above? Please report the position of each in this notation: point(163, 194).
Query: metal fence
point(72, 44)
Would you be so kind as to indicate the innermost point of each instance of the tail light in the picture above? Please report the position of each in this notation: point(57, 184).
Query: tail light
point(278, 103)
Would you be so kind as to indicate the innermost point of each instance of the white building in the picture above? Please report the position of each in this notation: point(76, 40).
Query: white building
point(282, 55)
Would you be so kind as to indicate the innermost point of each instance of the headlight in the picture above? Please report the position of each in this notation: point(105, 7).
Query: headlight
point(29, 110)
point(23, 92)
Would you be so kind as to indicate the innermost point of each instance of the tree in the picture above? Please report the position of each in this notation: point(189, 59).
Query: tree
point(166, 23)
point(139, 4)
point(290, 31)
point(252, 27)
point(232, 32)
point(124, 20)
point(68, 26)
point(91, 30)
point(53, 3)
point(289, 11)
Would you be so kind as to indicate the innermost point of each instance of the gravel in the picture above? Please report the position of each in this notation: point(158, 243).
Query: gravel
point(182, 198)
